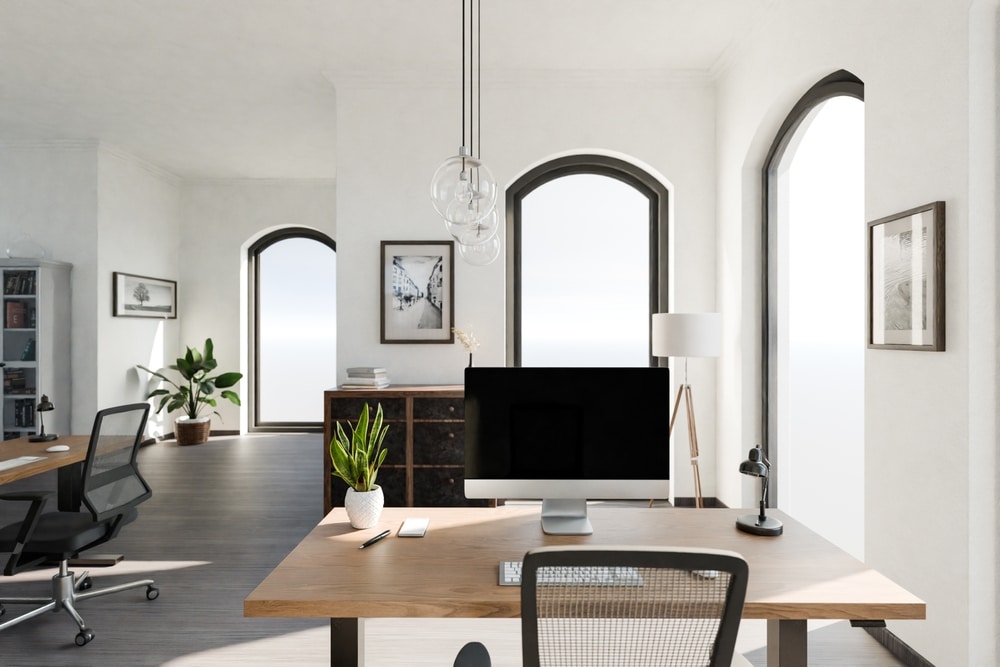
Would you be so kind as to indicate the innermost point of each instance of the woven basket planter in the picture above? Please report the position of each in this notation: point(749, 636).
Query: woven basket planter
point(192, 431)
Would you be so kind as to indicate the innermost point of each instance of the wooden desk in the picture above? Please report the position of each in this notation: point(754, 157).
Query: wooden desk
point(452, 571)
point(68, 464)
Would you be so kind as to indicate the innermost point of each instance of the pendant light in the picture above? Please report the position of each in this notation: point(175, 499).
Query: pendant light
point(463, 190)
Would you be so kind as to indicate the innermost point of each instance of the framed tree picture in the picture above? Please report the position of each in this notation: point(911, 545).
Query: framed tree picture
point(142, 296)
point(906, 280)
point(417, 291)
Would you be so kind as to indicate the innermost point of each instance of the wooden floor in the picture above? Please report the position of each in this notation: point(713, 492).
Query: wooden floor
point(222, 515)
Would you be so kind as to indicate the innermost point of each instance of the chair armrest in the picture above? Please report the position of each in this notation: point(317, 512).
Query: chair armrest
point(31, 517)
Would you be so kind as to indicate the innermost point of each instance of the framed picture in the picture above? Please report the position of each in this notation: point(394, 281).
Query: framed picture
point(142, 296)
point(418, 291)
point(906, 280)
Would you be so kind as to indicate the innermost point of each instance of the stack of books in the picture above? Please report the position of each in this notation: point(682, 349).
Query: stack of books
point(366, 377)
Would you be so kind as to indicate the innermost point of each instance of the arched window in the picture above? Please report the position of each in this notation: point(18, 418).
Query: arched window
point(814, 334)
point(293, 324)
point(587, 244)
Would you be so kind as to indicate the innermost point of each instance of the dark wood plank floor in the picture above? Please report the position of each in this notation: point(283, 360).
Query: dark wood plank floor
point(222, 515)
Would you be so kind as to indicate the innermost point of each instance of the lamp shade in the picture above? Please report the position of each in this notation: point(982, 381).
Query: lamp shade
point(687, 335)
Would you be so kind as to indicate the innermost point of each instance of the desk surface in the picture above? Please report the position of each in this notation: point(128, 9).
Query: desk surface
point(452, 571)
point(10, 449)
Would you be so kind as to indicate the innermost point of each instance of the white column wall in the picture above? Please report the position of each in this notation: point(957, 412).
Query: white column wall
point(915, 67)
point(391, 138)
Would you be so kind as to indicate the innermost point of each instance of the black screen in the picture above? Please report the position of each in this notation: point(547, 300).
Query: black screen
point(567, 423)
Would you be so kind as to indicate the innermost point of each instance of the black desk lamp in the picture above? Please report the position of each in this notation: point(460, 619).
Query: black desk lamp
point(44, 405)
point(758, 466)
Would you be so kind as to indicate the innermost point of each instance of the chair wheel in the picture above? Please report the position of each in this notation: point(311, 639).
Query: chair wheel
point(85, 584)
point(84, 637)
point(152, 592)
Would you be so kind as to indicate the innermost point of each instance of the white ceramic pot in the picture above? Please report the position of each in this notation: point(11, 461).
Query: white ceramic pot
point(364, 507)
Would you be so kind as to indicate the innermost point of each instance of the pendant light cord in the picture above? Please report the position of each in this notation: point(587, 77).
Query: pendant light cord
point(463, 73)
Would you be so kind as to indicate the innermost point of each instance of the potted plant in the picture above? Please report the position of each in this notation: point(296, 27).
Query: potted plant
point(194, 392)
point(356, 460)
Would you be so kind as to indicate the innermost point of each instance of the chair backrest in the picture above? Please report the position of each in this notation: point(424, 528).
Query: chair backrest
point(583, 606)
point(111, 479)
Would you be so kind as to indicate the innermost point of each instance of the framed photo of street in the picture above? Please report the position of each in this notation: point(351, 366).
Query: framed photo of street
point(906, 280)
point(418, 291)
point(142, 296)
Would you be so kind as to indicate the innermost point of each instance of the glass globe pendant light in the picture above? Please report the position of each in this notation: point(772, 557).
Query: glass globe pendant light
point(478, 232)
point(482, 253)
point(463, 190)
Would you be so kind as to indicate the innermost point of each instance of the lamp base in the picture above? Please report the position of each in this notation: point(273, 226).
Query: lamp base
point(751, 523)
point(44, 437)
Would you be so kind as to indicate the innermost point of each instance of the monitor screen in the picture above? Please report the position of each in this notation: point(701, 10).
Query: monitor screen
point(566, 435)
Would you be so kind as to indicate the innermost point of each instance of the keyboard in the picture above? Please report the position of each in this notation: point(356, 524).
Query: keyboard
point(509, 574)
point(19, 461)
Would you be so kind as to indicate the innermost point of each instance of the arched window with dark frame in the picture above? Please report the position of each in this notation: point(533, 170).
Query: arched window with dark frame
point(813, 310)
point(587, 263)
point(293, 328)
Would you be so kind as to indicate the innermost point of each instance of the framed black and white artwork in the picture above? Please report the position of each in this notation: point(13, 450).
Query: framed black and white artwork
point(417, 291)
point(906, 280)
point(142, 296)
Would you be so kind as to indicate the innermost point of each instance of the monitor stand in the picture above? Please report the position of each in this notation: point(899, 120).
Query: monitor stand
point(565, 516)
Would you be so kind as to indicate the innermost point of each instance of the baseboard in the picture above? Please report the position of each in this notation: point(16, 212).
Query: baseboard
point(898, 648)
point(690, 502)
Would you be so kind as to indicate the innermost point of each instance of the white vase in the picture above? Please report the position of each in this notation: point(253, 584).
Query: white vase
point(364, 507)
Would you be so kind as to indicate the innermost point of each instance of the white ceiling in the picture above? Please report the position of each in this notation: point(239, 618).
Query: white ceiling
point(241, 88)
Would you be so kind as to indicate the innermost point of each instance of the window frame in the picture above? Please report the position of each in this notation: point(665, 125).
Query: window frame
point(254, 425)
point(600, 165)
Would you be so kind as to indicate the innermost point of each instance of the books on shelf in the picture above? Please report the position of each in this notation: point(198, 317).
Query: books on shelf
point(19, 282)
point(15, 315)
point(366, 377)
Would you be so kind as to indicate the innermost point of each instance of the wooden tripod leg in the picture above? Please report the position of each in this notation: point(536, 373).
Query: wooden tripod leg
point(693, 445)
point(673, 418)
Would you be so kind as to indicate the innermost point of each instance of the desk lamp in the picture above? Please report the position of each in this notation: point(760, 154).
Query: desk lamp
point(687, 335)
point(44, 405)
point(758, 466)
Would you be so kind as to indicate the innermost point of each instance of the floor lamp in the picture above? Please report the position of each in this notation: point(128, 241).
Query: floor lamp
point(687, 335)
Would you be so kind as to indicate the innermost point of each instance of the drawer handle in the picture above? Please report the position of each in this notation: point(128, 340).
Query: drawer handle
point(451, 408)
point(451, 435)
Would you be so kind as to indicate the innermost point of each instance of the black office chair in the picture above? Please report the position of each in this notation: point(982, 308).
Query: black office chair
point(617, 606)
point(112, 487)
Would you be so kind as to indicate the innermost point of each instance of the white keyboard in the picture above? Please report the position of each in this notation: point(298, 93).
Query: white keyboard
point(510, 575)
point(19, 461)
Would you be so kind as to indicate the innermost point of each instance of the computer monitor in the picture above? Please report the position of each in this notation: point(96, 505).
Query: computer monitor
point(566, 435)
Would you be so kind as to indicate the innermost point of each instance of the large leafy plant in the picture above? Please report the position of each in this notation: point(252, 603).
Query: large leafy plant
point(197, 386)
point(356, 458)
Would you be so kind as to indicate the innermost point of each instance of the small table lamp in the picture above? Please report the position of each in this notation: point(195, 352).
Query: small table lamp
point(687, 335)
point(44, 405)
point(758, 466)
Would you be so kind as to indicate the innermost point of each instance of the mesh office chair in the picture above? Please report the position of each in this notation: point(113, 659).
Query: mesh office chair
point(616, 606)
point(112, 487)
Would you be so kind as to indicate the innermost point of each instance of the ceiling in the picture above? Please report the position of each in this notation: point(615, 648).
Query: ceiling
point(242, 88)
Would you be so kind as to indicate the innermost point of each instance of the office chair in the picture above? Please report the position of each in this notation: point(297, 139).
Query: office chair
point(616, 606)
point(111, 489)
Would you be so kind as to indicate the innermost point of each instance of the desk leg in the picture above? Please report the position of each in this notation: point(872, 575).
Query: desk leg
point(786, 643)
point(344, 642)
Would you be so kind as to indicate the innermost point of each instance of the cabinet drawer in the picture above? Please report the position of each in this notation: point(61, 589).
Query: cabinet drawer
point(350, 408)
point(439, 443)
point(441, 487)
point(439, 408)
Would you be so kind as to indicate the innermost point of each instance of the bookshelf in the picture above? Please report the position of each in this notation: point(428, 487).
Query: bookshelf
point(34, 342)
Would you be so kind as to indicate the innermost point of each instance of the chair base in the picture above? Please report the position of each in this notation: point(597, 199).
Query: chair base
point(67, 590)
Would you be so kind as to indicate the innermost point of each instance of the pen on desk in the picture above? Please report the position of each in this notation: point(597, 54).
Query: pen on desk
point(384, 533)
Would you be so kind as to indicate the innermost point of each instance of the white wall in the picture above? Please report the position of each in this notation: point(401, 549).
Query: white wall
point(393, 137)
point(918, 451)
point(219, 220)
point(138, 211)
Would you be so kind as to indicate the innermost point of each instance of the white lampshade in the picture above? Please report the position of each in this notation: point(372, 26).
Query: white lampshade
point(687, 334)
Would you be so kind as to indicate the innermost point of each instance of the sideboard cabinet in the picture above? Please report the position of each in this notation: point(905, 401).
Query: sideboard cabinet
point(425, 463)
